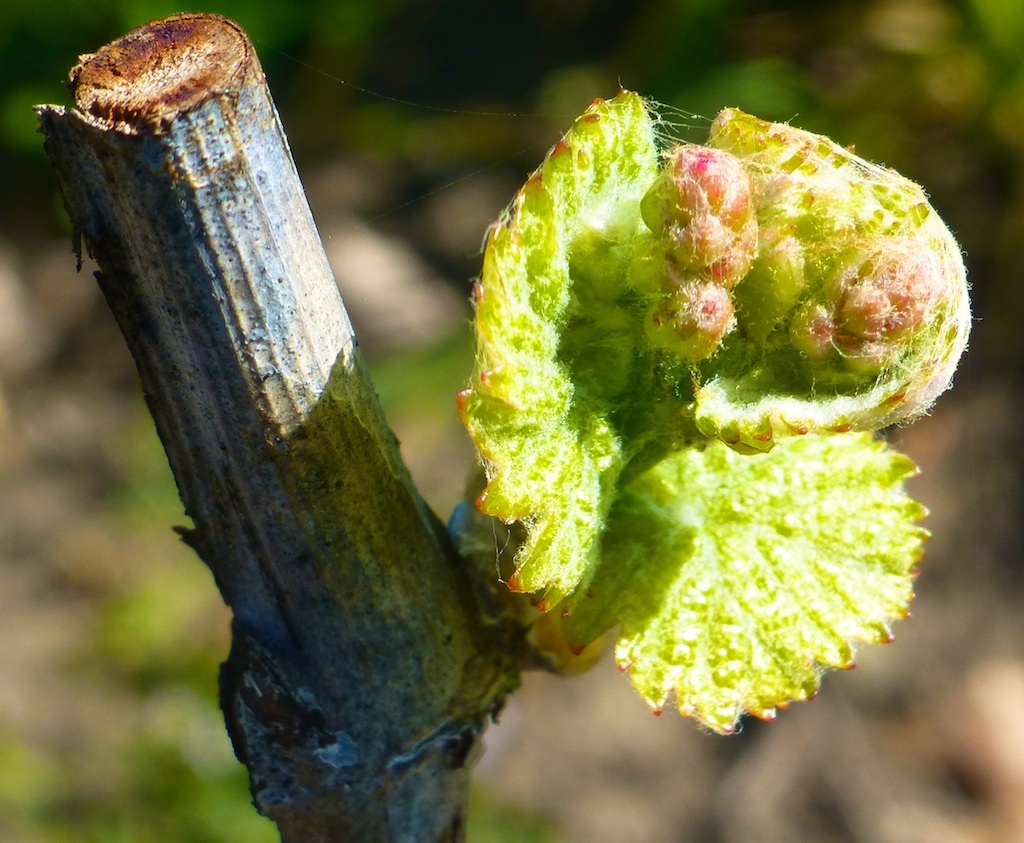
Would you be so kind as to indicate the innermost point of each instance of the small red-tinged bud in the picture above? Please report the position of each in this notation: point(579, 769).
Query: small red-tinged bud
point(874, 303)
point(703, 204)
point(865, 311)
point(734, 265)
point(692, 320)
point(814, 331)
point(711, 180)
point(891, 292)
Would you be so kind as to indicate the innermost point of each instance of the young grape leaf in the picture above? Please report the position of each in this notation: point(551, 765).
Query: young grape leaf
point(672, 349)
point(552, 456)
point(736, 578)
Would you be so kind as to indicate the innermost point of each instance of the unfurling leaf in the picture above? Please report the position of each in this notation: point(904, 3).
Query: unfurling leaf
point(672, 349)
point(734, 577)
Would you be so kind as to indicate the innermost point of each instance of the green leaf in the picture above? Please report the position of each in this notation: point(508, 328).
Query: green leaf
point(552, 457)
point(673, 347)
point(736, 578)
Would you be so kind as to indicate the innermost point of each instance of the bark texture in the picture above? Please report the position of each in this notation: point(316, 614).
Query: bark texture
point(363, 668)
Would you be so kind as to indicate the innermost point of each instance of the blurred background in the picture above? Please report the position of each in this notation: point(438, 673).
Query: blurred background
point(413, 124)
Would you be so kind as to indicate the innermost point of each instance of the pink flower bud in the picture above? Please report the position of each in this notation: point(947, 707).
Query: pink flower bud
point(891, 292)
point(692, 321)
point(703, 204)
point(814, 331)
point(874, 302)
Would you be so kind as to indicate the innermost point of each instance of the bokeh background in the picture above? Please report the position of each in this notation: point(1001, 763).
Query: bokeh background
point(413, 123)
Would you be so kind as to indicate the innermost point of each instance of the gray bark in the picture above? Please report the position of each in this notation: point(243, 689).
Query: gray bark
point(363, 667)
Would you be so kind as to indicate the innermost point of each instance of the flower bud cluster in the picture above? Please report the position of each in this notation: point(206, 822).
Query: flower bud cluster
point(874, 299)
point(702, 216)
point(692, 319)
point(776, 282)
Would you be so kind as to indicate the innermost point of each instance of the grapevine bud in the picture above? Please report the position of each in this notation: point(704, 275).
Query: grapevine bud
point(856, 303)
point(876, 301)
point(692, 320)
point(645, 324)
point(892, 292)
point(814, 331)
point(774, 284)
point(702, 203)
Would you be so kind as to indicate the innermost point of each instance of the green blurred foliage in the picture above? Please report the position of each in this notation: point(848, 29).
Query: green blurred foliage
point(39, 40)
point(491, 820)
point(438, 91)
